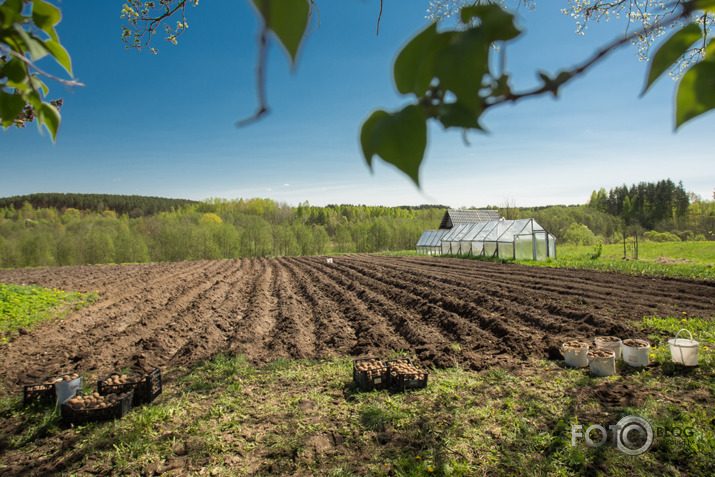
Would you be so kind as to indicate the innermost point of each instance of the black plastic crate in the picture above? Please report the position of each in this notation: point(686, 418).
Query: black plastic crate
point(370, 379)
point(146, 389)
point(401, 380)
point(45, 392)
point(117, 410)
point(38, 393)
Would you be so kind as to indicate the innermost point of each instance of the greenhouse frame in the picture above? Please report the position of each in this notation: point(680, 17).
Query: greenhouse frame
point(522, 239)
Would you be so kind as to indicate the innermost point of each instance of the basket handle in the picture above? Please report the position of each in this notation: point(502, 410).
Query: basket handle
point(681, 330)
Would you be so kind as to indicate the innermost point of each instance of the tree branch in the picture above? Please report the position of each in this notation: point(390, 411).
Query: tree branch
point(566, 76)
point(69, 84)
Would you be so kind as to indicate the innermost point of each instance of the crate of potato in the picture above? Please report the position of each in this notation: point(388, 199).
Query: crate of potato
point(83, 408)
point(404, 375)
point(370, 374)
point(45, 392)
point(146, 388)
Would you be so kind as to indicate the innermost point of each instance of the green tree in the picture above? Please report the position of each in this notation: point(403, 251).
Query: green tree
point(130, 247)
point(100, 246)
point(579, 235)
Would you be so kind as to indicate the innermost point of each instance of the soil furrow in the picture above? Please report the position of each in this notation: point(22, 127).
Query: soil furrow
point(444, 311)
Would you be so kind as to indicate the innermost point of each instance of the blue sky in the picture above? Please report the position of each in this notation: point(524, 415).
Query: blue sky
point(164, 125)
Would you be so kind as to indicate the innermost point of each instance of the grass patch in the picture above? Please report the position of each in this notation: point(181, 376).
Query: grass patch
point(306, 417)
point(23, 307)
point(691, 260)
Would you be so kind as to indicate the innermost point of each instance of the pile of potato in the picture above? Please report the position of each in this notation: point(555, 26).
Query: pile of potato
point(116, 379)
point(94, 401)
point(575, 344)
point(635, 344)
point(600, 353)
point(52, 381)
point(371, 368)
point(403, 366)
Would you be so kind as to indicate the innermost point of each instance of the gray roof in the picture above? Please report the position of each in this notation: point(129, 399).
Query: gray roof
point(454, 217)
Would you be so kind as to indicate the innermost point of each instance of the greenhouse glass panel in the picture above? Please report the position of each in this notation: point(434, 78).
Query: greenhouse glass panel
point(437, 240)
point(552, 246)
point(541, 251)
point(490, 248)
point(506, 250)
point(474, 231)
point(465, 247)
point(513, 228)
point(524, 247)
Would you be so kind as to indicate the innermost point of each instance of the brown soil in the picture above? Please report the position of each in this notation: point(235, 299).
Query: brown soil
point(169, 314)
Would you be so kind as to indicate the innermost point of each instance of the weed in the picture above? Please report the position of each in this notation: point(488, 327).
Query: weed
point(26, 306)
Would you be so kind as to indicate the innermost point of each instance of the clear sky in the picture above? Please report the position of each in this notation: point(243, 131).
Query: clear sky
point(164, 125)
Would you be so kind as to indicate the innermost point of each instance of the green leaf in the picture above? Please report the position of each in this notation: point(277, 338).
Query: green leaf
point(414, 66)
point(288, 20)
point(696, 92)
point(669, 52)
point(14, 71)
point(462, 64)
point(707, 5)
point(60, 54)
point(50, 117)
point(497, 23)
point(460, 116)
point(11, 105)
point(31, 43)
point(399, 139)
point(46, 16)
point(10, 12)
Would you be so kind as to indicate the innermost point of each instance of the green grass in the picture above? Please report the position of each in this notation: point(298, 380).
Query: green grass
point(694, 260)
point(305, 417)
point(698, 252)
point(27, 306)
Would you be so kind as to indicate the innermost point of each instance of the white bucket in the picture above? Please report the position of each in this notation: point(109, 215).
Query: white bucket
point(575, 354)
point(636, 356)
point(684, 351)
point(67, 389)
point(609, 343)
point(330, 260)
point(602, 365)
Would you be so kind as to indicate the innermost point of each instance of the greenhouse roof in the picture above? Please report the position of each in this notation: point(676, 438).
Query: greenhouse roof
point(454, 217)
point(431, 238)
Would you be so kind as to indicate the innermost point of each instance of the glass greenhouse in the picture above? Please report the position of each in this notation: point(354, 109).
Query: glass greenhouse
point(430, 243)
point(522, 239)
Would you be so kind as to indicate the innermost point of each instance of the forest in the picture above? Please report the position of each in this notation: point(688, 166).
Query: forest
point(79, 229)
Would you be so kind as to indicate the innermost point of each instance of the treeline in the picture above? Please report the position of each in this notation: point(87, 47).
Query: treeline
point(133, 205)
point(648, 204)
point(213, 229)
point(34, 235)
point(657, 211)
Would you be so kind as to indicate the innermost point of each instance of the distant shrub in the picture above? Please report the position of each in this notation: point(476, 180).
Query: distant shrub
point(578, 234)
point(699, 238)
point(654, 236)
point(684, 235)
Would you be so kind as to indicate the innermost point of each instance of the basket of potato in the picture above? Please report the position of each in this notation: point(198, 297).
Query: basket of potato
point(404, 375)
point(370, 374)
point(47, 392)
point(146, 388)
point(94, 407)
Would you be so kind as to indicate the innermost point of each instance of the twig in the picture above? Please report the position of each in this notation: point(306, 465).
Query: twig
point(553, 86)
point(378, 20)
point(69, 84)
point(260, 78)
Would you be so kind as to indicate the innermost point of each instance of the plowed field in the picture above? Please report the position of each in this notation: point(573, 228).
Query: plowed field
point(169, 314)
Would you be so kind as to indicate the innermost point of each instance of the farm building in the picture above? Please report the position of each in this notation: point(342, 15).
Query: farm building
point(522, 239)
